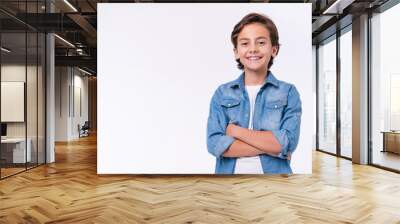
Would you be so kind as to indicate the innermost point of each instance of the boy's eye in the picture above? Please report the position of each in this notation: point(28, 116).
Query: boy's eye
point(261, 42)
point(244, 44)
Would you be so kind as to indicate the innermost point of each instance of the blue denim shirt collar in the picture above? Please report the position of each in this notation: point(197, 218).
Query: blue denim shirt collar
point(239, 82)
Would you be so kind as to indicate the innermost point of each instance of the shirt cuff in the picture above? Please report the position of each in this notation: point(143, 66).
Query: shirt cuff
point(283, 140)
point(223, 144)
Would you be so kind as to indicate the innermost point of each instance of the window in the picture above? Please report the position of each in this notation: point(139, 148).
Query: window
point(346, 94)
point(385, 89)
point(327, 97)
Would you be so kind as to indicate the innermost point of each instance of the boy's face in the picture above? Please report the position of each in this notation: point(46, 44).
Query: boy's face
point(254, 47)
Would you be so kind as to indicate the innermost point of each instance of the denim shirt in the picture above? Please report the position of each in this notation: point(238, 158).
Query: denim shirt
point(277, 109)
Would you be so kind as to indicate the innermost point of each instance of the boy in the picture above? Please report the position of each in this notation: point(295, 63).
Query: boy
point(254, 121)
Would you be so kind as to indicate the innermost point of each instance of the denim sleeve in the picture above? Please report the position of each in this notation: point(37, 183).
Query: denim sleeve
point(217, 141)
point(288, 134)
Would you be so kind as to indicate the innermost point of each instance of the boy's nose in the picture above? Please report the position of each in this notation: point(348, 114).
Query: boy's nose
point(253, 48)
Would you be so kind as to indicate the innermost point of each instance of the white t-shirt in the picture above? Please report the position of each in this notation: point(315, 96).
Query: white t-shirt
point(250, 165)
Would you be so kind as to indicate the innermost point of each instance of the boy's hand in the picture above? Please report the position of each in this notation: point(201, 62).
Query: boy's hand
point(232, 130)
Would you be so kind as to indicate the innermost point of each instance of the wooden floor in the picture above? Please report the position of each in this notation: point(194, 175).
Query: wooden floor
point(5, 172)
point(70, 191)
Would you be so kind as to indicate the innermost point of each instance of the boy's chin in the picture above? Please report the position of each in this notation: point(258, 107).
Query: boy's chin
point(256, 69)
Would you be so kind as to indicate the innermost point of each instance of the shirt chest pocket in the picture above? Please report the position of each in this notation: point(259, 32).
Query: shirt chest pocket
point(274, 111)
point(232, 109)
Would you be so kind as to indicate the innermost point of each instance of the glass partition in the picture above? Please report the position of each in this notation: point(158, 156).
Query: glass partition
point(346, 94)
point(41, 111)
point(32, 95)
point(385, 89)
point(327, 96)
point(35, 50)
point(22, 63)
point(13, 108)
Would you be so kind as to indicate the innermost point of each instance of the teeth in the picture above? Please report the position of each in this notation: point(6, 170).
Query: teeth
point(254, 58)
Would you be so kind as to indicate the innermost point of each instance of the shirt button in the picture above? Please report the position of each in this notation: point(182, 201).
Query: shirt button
point(229, 104)
point(276, 106)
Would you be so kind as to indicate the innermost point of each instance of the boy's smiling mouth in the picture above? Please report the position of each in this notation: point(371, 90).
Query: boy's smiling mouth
point(254, 58)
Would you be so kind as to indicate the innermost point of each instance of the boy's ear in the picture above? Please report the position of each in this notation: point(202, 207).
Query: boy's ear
point(275, 50)
point(235, 51)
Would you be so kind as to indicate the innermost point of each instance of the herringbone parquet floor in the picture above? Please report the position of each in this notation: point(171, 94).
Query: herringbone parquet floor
point(70, 191)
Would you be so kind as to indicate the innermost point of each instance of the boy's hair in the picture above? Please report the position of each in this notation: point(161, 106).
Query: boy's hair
point(256, 18)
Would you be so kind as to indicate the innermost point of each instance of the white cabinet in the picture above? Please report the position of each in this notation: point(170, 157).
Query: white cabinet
point(18, 149)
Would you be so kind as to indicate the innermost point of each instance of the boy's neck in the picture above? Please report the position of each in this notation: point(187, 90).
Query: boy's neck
point(253, 78)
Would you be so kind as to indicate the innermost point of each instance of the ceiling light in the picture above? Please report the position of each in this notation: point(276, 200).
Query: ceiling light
point(64, 40)
point(5, 50)
point(337, 7)
point(70, 5)
point(84, 71)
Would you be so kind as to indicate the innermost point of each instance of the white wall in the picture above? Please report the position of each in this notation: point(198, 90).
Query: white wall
point(80, 89)
point(17, 73)
point(68, 81)
point(10, 73)
point(61, 103)
point(156, 78)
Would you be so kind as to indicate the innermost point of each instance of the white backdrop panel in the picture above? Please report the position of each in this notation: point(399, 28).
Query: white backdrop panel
point(158, 66)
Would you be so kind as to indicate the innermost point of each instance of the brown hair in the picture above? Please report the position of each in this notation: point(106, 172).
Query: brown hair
point(263, 20)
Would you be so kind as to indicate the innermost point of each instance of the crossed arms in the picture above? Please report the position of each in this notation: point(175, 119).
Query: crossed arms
point(230, 140)
point(251, 143)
